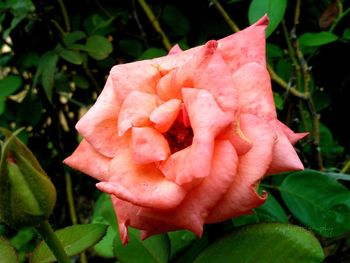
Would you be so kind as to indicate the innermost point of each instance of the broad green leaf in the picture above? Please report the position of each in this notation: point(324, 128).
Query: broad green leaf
point(273, 51)
point(318, 201)
point(75, 239)
point(338, 176)
point(155, 249)
point(180, 240)
point(9, 85)
point(131, 47)
point(2, 105)
point(23, 237)
point(71, 56)
point(7, 252)
point(152, 53)
point(104, 248)
point(264, 243)
point(317, 39)
point(98, 47)
point(321, 100)
point(275, 10)
point(73, 37)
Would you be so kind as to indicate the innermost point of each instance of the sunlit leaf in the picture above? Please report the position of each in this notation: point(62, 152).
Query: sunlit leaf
point(275, 10)
point(264, 243)
point(98, 47)
point(318, 201)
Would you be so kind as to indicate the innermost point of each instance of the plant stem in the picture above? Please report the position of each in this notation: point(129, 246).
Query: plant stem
point(346, 167)
point(69, 192)
point(49, 236)
point(224, 14)
point(149, 13)
point(339, 18)
point(65, 15)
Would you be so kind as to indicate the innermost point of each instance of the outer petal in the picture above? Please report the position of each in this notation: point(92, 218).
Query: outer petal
point(99, 124)
point(192, 212)
point(140, 184)
point(245, 46)
point(165, 115)
point(284, 156)
point(148, 145)
point(175, 50)
point(136, 110)
point(253, 85)
point(87, 160)
point(241, 197)
point(292, 136)
point(136, 76)
point(207, 120)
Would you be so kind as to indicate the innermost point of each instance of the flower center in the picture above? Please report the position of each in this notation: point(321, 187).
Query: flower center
point(179, 136)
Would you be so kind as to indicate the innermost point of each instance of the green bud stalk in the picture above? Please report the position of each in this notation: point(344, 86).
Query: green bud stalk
point(27, 196)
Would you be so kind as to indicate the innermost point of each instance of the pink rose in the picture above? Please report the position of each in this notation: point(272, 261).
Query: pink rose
point(184, 140)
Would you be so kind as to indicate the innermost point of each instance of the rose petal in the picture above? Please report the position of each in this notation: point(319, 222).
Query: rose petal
point(136, 76)
point(99, 124)
point(148, 145)
point(207, 120)
point(253, 85)
point(140, 184)
point(136, 110)
point(245, 46)
point(241, 197)
point(292, 136)
point(165, 115)
point(87, 160)
point(284, 156)
point(175, 50)
point(192, 212)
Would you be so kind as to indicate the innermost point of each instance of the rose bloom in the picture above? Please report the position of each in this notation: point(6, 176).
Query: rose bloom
point(183, 140)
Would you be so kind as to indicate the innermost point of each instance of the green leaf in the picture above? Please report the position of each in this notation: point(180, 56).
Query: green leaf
point(155, 249)
point(180, 241)
point(132, 47)
point(317, 39)
point(105, 247)
point(318, 201)
point(46, 70)
point(98, 47)
point(71, 56)
point(273, 51)
point(9, 85)
point(176, 22)
point(75, 239)
point(264, 243)
point(275, 10)
point(152, 53)
point(81, 81)
point(73, 37)
point(279, 103)
point(346, 34)
point(7, 252)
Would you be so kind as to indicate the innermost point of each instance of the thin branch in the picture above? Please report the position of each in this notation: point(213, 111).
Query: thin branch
point(65, 15)
point(346, 167)
point(149, 13)
point(224, 14)
point(297, 12)
point(339, 18)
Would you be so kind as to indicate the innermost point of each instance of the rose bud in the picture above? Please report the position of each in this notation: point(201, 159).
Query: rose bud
point(183, 140)
point(27, 196)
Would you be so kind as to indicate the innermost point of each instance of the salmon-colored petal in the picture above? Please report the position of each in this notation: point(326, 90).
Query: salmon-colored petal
point(245, 46)
point(207, 121)
point(148, 145)
point(136, 76)
point(87, 160)
point(241, 197)
point(284, 156)
point(136, 110)
point(192, 212)
point(166, 88)
point(207, 70)
point(175, 50)
point(238, 139)
point(253, 85)
point(99, 125)
point(165, 115)
point(292, 136)
point(140, 184)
